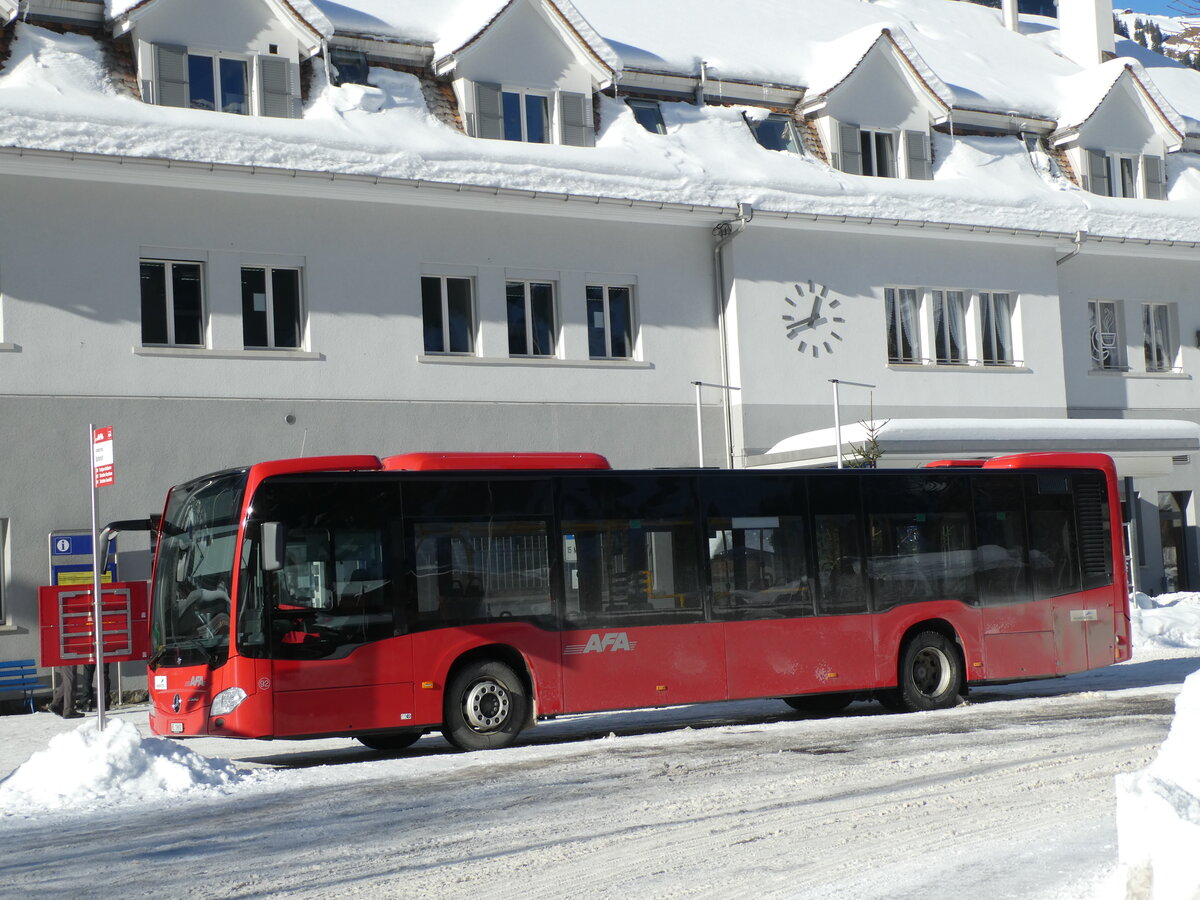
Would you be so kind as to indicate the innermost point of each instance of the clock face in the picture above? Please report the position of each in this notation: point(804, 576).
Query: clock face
point(812, 319)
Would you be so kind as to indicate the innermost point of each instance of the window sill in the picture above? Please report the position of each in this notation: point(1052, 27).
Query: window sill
point(205, 353)
point(533, 361)
point(1129, 373)
point(960, 368)
point(9, 348)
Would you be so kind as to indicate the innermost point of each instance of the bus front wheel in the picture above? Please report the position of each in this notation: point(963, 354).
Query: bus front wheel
point(485, 706)
point(931, 673)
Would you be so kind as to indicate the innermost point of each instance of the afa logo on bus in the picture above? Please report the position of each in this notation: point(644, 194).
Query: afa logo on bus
point(597, 643)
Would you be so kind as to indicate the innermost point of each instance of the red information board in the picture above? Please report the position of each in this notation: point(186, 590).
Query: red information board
point(68, 623)
point(102, 456)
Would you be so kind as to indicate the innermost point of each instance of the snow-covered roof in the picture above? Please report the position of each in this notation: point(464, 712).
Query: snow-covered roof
point(1085, 91)
point(56, 94)
point(455, 40)
point(301, 12)
point(1163, 437)
point(841, 58)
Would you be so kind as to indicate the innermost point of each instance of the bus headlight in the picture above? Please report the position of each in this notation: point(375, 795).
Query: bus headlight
point(227, 701)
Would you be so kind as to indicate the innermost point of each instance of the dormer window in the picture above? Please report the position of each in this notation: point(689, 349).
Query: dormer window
point(882, 153)
point(349, 66)
point(776, 132)
point(535, 117)
point(217, 82)
point(526, 116)
point(241, 84)
point(1125, 175)
point(648, 114)
point(878, 153)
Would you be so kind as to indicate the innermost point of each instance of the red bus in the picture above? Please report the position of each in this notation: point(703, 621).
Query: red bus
point(476, 593)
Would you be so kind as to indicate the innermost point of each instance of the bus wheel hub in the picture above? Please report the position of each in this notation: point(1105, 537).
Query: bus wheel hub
point(486, 705)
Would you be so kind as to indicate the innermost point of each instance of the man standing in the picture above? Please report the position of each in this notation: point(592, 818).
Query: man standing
point(63, 701)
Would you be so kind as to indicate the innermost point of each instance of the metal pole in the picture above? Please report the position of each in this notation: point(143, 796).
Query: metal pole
point(725, 405)
point(837, 422)
point(97, 603)
point(837, 413)
point(699, 426)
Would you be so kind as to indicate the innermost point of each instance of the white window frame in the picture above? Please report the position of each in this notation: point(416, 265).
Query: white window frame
point(1157, 334)
point(606, 310)
point(215, 56)
point(870, 137)
point(551, 98)
point(941, 296)
point(894, 297)
point(1107, 348)
point(444, 298)
point(555, 323)
point(168, 265)
point(302, 311)
point(789, 125)
point(987, 299)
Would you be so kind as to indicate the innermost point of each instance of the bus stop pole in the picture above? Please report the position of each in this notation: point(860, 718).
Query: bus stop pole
point(97, 601)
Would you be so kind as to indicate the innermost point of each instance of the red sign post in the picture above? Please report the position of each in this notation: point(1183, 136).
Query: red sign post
point(101, 446)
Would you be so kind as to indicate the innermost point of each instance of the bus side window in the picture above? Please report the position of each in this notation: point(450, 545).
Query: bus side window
point(630, 572)
point(758, 568)
point(1053, 548)
point(1001, 570)
point(481, 571)
point(839, 565)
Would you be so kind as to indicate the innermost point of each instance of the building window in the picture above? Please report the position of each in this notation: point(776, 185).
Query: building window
point(272, 316)
point(1157, 341)
point(878, 153)
point(1125, 175)
point(776, 132)
point(1104, 332)
point(531, 328)
point(950, 327)
point(526, 117)
point(610, 322)
point(217, 83)
point(648, 114)
point(996, 318)
point(349, 66)
point(447, 314)
point(172, 303)
point(903, 324)
point(223, 83)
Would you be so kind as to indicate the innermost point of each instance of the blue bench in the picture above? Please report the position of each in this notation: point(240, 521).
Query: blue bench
point(20, 675)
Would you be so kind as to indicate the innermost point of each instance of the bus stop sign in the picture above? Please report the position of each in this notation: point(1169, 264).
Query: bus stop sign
point(68, 624)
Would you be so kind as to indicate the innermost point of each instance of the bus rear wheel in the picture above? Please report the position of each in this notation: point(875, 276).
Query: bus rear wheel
point(389, 742)
point(931, 673)
point(485, 706)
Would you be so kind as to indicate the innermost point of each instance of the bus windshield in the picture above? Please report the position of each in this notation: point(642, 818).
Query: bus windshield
point(194, 572)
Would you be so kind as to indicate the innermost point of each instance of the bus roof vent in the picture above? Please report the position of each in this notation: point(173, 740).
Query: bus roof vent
point(418, 462)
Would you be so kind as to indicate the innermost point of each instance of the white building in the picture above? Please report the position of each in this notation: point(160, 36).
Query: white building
point(249, 229)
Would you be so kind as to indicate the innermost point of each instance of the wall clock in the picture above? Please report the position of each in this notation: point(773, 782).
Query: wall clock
point(813, 321)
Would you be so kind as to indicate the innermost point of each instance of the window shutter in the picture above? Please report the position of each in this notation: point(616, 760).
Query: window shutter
point(275, 87)
point(576, 112)
point(848, 156)
point(171, 70)
point(489, 122)
point(920, 165)
point(1155, 187)
point(1096, 179)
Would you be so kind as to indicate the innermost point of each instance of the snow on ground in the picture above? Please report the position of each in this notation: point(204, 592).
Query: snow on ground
point(866, 792)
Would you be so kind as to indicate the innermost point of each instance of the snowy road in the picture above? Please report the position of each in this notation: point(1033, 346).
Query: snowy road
point(1010, 795)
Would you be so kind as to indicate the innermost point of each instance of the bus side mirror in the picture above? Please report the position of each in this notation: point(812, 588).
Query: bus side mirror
point(272, 546)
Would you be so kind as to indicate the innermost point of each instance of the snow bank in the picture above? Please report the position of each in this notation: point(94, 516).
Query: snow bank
point(1158, 811)
point(89, 768)
point(1165, 623)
